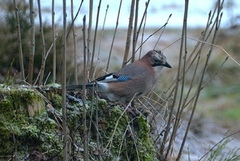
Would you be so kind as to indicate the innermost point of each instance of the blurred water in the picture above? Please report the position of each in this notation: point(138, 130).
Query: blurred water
point(158, 12)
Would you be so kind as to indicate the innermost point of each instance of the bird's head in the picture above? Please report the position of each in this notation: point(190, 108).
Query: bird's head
point(157, 58)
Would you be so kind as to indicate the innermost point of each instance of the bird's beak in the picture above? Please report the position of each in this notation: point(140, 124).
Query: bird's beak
point(167, 65)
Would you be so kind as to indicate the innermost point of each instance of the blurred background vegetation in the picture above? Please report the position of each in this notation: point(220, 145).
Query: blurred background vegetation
point(9, 46)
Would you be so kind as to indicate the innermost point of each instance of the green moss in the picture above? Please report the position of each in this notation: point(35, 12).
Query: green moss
point(121, 135)
point(6, 107)
point(20, 100)
point(147, 151)
point(29, 135)
point(56, 100)
point(53, 93)
point(24, 123)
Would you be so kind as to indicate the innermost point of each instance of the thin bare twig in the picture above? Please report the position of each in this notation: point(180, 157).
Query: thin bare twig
point(20, 54)
point(135, 35)
point(32, 44)
point(144, 26)
point(54, 42)
point(89, 37)
point(85, 132)
point(64, 110)
point(198, 55)
point(174, 97)
point(75, 17)
point(154, 33)
point(129, 34)
point(50, 48)
point(206, 82)
point(184, 46)
point(115, 31)
point(74, 46)
point(100, 41)
point(220, 141)
point(42, 68)
point(231, 57)
point(143, 22)
point(94, 40)
point(217, 24)
point(192, 53)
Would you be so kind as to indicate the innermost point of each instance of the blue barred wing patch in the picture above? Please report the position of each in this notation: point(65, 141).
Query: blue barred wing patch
point(123, 78)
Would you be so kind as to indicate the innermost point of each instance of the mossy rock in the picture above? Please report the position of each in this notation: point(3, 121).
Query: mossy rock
point(114, 134)
point(20, 100)
point(24, 124)
point(30, 132)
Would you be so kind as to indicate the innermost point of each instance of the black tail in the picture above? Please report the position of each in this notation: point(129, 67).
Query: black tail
point(79, 86)
point(74, 87)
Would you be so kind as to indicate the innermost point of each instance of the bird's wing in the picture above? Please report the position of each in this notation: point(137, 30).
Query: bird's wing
point(132, 71)
point(113, 78)
point(127, 73)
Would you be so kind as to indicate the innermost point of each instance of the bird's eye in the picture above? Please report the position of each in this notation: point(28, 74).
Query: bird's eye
point(156, 59)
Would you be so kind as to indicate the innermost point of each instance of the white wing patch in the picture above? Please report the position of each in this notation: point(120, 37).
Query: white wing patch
point(109, 77)
point(102, 87)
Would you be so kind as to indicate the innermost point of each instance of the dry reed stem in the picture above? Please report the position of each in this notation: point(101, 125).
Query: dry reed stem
point(54, 42)
point(100, 42)
point(93, 75)
point(143, 22)
point(183, 49)
point(45, 58)
point(42, 68)
point(114, 35)
point(153, 33)
point(188, 62)
point(220, 47)
point(129, 34)
point(20, 54)
point(32, 44)
point(94, 41)
point(64, 110)
point(135, 34)
point(89, 38)
point(74, 19)
point(85, 75)
point(217, 24)
point(74, 46)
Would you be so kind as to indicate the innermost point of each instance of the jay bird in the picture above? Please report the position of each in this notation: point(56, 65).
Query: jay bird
point(133, 80)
